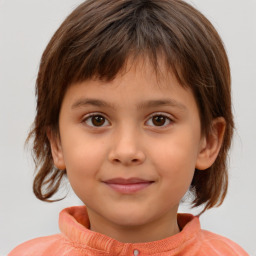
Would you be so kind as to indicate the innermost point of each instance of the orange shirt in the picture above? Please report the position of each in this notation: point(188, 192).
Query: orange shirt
point(77, 240)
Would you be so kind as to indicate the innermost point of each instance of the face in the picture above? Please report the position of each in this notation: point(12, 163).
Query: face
point(130, 146)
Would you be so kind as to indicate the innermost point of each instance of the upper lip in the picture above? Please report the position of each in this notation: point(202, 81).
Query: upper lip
point(127, 181)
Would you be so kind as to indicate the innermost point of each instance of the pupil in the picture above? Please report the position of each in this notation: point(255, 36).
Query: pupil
point(98, 120)
point(159, 120)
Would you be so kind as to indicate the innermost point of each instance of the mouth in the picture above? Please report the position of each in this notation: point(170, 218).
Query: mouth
point(128, 186)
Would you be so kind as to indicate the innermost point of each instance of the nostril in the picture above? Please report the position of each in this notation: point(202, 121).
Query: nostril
point(126, 161)
point(126, 158)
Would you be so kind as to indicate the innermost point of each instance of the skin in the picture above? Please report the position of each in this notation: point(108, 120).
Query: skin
point(147, 128)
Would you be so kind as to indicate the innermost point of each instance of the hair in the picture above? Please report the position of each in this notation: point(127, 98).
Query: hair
point(97, 39)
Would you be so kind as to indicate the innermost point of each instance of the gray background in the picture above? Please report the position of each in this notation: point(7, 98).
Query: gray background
point(25, 28)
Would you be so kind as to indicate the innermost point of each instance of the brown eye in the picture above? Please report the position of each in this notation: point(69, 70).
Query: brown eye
point(158, 120)
point(96, 121)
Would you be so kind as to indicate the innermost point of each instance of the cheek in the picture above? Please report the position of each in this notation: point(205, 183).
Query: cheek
point(83, 158)
point(175, 161)
point(83, 164)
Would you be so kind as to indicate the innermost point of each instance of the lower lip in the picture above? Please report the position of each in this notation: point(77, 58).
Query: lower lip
point(129, 188)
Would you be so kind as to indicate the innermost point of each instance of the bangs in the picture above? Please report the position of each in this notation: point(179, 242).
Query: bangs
point(94, 49)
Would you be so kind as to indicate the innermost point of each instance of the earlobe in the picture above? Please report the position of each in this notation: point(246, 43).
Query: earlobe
point(56, 149)
point(211, 145)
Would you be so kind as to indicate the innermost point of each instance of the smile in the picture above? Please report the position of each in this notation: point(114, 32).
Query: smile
point(128, 186)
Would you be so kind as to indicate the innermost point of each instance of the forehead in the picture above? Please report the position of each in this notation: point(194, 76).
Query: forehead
point(139, 84)
point(155, 71)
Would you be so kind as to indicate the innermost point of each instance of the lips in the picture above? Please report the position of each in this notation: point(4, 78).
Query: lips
point(128, 186)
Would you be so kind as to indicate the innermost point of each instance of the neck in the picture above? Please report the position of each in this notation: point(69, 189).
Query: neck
point(156, 230)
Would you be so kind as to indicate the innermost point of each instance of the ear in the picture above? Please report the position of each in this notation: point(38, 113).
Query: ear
point(211, 144)
point(56, 149)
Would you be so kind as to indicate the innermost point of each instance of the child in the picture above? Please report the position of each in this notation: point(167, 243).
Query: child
point(134, 107)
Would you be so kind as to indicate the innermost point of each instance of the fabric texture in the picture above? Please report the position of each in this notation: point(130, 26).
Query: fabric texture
point(76, 239)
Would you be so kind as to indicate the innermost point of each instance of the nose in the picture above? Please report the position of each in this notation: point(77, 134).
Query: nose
point(127, 149)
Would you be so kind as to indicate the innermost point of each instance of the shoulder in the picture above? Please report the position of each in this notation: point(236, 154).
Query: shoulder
point(41, 246)
point(212, 244)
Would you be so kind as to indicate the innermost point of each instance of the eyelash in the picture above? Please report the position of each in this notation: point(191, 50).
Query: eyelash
point(88, 119)
point(166, 118)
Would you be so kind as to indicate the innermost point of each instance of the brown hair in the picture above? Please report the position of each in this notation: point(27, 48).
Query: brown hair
point(96, 40)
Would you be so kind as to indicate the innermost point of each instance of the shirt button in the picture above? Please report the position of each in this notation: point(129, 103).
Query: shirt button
point(136, 252)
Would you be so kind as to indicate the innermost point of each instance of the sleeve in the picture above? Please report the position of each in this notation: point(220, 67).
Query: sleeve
point(42, 246)
point(214, 245)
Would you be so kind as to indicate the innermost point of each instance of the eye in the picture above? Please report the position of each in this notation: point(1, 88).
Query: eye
point(159, 120)
point(96, 120)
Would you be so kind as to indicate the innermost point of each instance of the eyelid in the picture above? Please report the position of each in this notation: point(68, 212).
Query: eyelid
point(92, 114)
point(164, 114)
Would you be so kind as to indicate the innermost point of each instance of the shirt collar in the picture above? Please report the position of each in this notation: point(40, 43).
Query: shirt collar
point(74, 224)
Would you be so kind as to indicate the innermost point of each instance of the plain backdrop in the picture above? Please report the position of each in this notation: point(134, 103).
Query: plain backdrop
point(25, 29)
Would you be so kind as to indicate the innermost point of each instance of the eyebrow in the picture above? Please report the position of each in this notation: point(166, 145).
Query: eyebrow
point(92, 102)
point(162, 102)
point(146, 104)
